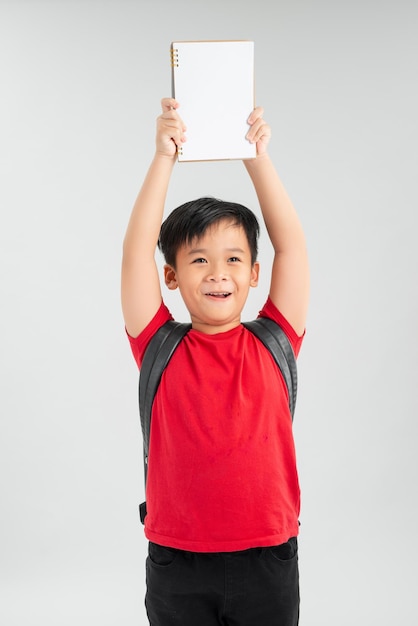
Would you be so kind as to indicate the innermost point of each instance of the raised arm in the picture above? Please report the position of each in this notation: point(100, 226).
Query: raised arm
point(141, 291)
point(289, 287)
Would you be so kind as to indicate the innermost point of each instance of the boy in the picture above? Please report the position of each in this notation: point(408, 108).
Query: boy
point(222, 485)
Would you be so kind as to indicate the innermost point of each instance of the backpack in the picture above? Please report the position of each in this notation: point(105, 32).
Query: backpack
point(161, 348)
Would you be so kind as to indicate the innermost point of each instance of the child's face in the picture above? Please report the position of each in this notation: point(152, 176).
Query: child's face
point(214, 274)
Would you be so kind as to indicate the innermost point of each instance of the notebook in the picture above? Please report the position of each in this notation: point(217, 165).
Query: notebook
point(214, 83)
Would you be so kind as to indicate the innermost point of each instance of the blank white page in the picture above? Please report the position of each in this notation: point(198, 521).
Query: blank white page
point(214, 83)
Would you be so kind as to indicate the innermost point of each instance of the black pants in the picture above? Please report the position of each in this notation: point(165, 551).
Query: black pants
point(257, 587)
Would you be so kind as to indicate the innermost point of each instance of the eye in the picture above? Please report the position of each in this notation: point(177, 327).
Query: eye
point(234, 259)
point(199, 260)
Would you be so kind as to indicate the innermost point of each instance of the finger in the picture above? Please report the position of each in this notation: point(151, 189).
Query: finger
point(258, 130)
point(263, 134)
point(256, 114)
point(172, 118)
point(172, 128)
point(169, 103)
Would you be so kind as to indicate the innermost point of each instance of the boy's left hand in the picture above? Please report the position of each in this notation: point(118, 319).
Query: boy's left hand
point(260, 131)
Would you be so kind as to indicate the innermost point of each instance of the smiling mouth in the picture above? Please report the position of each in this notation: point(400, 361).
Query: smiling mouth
point(217, 294)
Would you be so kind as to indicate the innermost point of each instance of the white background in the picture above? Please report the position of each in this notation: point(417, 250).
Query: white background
point(80, 88)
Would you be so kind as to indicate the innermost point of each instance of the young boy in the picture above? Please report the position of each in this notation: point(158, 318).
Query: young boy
point(222, 485)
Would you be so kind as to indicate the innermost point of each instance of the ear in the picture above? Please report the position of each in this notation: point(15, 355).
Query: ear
point(255, 271)
point(170, 277)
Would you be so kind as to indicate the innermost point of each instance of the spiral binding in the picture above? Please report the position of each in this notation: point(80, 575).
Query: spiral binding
point(174, 56)
point(180, 150)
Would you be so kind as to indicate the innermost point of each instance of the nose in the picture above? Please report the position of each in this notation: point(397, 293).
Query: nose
point(217, 279)
point(218, 273)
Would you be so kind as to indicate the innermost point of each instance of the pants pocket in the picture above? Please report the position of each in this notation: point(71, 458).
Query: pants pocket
point(161, 555)
point(285, 551)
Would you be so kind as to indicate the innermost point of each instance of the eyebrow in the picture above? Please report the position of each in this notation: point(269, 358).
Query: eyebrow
point(204, 250)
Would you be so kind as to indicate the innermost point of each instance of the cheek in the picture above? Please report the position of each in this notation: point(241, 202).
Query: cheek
point(187, 290)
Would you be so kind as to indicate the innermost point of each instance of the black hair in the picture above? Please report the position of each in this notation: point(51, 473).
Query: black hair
point(191, 220)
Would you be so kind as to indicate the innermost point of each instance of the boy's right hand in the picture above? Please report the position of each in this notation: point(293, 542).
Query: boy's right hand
point(170, 128)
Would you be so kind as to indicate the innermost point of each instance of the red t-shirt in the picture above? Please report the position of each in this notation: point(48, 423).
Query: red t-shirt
point(222, 470)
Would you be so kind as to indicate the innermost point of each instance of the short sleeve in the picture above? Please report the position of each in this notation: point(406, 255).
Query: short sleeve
point(272, 312)
point(140, 343)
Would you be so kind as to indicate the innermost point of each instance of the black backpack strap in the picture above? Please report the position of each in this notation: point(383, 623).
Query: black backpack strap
point(277, 342)
point(157, 355)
